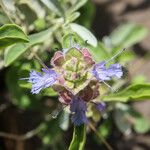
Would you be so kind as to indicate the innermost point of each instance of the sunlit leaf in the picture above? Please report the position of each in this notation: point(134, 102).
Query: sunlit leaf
point(11, 34)
point(13, 52)
point(120, 117)
point(131, 93)
point(54, 6)
point(69, 40)
point(126, 118)
point(100, 52)
point(77, 5)
point(139, 79)
point(128, 34)
point(73, 16)
point(84, 33)
point(141, 125)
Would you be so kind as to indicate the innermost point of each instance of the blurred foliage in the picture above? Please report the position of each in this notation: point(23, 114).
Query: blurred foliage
point(35, 28)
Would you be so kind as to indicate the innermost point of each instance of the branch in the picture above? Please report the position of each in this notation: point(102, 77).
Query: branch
point(23, 137)
point(100, 137)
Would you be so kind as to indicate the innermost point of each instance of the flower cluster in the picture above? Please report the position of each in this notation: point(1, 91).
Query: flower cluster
point(76, 78)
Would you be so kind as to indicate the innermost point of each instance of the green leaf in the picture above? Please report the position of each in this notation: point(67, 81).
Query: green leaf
point(79, 138)
point(18, 95)
point(13, 52)
point(48, 92)
point(128, 34)
point(120, 117)
point(126, 118)
point(84, 33)
point(40, 24)
point(73, 16)
point(3, 18)
point(54, 6)
point(139, 79)
point(133, 92)
point(86, 19)
point(77, 5)
point(141, 125)
point(51, 132)
point(105, 128)
point(100, 52)
point(11, 34)
point(71, 38)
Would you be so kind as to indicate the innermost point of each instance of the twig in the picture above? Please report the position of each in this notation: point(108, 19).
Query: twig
point(100, 137)
point(23, 137)
point(29, 134)
point(4, 107)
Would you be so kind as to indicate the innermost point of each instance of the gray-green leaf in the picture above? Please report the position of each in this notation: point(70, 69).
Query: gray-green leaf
point(133, 92)
point(11, 34)
point(13, 52)
point(120, 117)
point(128, 34)
point(100, 52)
point(54, 6)
point(84, 33)
point(77, 5)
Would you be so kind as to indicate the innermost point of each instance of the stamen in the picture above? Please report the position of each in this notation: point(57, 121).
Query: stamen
point(109, 86)
point(71, 40)
point(86, 43)
point(55, 113)
point(23, 78)
point(115, 55)
point(40, 61)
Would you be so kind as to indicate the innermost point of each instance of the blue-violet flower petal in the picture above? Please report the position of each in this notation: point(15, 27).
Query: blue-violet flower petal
point(100, 106)
point(40, 81)
point(78, 109)
point(102, 73)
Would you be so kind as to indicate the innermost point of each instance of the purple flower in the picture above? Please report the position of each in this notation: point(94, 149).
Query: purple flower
point(40, 81)
point(100, 106)
point(102, 73)
point(78, 109)
point(73, 81)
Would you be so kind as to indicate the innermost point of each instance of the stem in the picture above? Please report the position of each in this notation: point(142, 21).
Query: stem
point(100, 137)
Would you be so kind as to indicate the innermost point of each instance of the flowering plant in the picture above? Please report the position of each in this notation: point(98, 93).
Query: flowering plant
point(76, 78)
point(77, 75)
